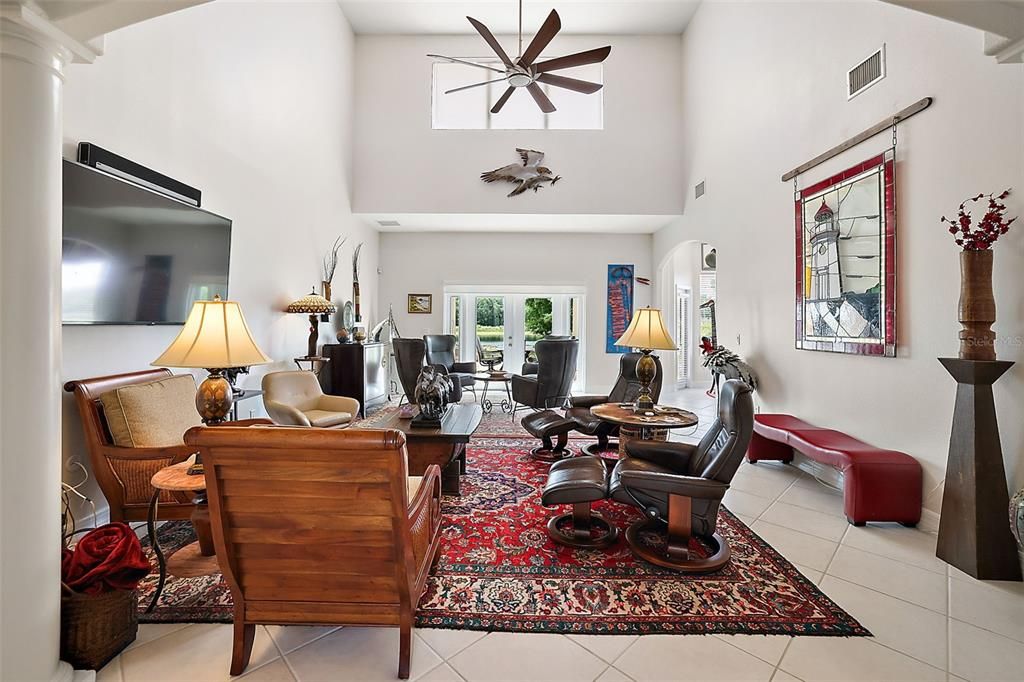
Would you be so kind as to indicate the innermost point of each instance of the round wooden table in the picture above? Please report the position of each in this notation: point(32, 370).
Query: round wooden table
point(191, 560)
point(487, 378)
point(643, 425)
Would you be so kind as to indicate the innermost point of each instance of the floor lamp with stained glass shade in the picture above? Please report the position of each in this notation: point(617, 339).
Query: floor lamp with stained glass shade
point(647, 333)
point(215, 338)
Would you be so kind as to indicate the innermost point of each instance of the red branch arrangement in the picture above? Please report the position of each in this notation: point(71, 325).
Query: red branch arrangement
point(982, 236)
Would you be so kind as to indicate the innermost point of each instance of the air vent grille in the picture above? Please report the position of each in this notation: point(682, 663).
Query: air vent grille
point(865, 74)
point(698, 191)
point(389, 223)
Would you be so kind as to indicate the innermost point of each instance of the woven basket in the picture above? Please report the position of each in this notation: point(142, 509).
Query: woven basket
point(96, 627)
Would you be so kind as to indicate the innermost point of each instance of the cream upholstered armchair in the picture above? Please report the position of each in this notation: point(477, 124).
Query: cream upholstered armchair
point(295, 399)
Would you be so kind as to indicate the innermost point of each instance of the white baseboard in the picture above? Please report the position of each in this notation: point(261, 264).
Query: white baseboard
point(929, 521)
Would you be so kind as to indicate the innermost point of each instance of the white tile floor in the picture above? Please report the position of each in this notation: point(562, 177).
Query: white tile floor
point(930, 622)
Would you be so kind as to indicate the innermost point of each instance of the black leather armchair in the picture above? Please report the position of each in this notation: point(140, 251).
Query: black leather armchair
point(549, 386)
point(625, 390)
point(680, 486)
point(440, 352)
point(409, 361)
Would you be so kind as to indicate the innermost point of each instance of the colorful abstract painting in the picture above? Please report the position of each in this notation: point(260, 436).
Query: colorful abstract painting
point(620, 305)
point(846, 261)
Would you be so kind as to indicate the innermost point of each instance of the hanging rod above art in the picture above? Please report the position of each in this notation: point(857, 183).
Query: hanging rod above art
point(879, 127)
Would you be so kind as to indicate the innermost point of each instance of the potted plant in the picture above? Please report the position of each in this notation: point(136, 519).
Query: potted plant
point(977, 302)
point(99, 602)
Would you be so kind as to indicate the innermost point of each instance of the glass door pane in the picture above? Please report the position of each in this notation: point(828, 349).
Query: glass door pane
point(537, 323)
point(490, 329)
point(455, 322)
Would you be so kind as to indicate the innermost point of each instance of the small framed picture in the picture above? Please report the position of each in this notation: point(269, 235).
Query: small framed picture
point(421, 303)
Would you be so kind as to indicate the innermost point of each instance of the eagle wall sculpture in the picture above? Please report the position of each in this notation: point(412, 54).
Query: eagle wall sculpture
point(527, 175)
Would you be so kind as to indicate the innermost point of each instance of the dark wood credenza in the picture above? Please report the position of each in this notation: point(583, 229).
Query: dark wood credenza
point(356, 370)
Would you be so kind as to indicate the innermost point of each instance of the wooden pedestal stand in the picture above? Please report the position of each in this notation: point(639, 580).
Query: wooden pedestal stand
point(974, 531)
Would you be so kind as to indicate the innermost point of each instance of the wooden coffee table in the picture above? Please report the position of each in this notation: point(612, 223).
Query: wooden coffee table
point(444, 446)
point(648, 425)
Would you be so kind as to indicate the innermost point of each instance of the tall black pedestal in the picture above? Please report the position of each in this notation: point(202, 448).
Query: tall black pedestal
point(974, 530)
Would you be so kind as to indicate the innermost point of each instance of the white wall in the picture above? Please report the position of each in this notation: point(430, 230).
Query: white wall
point(763, 87)
point(405, 167)
point(683, 270)
point(252, 103)
point(426, 262)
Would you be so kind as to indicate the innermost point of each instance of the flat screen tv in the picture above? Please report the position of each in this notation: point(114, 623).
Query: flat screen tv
point(134, 256)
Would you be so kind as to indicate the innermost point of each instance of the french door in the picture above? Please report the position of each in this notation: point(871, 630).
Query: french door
point(501, 325)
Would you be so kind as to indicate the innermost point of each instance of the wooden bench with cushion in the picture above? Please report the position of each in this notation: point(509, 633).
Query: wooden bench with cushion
point(879, 484)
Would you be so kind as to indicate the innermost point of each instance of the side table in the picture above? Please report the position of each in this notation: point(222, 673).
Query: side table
point(642, 425)
point(196, 558)
point(244, 395)
point(315, 363)
point(486, 378)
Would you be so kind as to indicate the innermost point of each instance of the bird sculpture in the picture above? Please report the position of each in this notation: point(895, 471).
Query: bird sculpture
point(527, 175)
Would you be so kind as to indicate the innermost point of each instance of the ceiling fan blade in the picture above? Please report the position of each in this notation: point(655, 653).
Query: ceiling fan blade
point(594, 56)
point(501, 100)
point(475, 85)
point(552, 25)
point(486, 34)
point(575, 84)
point(542, 100)
point(467, 63)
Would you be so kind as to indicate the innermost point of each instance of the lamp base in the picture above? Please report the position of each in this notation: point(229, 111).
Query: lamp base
point(646, 371)
point(214, 398)
point(314, 335)
point(213, 402)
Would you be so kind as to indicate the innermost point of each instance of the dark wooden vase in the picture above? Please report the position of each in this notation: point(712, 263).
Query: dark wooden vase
point(977, 306)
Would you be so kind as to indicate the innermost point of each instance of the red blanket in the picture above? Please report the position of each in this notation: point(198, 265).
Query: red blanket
point(108, 558)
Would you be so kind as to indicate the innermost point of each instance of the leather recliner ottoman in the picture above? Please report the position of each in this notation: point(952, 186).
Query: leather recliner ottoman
point(548, 424)
point(579, 481)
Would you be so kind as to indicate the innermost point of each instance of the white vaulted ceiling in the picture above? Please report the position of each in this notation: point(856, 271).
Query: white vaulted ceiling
point(588, 17)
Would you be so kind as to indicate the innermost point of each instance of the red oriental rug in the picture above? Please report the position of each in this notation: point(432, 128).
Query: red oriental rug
point(499, 571)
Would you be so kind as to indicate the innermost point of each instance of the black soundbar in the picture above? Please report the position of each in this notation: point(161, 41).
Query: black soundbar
point(105, 160)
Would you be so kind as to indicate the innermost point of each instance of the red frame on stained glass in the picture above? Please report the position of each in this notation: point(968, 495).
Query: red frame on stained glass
point(846, 260)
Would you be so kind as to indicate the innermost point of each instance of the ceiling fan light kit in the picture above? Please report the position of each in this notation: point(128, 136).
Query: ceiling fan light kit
point(524, 73)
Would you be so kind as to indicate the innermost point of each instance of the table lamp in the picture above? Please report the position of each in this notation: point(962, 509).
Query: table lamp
point(646, 332)
point(313, 305)
point(215, 338)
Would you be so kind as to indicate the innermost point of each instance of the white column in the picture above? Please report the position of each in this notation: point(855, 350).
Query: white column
point(30, 441)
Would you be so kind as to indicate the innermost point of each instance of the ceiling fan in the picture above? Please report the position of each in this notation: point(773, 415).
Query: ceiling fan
point(522, 72)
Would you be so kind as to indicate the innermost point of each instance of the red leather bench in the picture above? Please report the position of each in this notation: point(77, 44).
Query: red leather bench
point(879, 484)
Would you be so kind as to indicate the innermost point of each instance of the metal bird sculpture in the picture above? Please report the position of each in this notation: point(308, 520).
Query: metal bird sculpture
point(526, 175)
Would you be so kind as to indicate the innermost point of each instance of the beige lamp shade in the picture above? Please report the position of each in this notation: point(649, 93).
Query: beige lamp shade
point(214, 336)
point(311, 304)
point(647, 330)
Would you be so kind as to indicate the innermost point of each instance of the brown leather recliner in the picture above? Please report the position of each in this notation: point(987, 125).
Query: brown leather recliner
point(626, 390)
point(549, 386)
point(680, 485)
point(409, 362)
point(440, 351)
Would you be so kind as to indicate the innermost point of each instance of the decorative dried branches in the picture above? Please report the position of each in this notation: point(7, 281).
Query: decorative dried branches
point(331, 261)
point(355, 263)
point(993, 224)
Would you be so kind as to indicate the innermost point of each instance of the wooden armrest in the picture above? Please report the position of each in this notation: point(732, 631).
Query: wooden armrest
point(430, 488)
